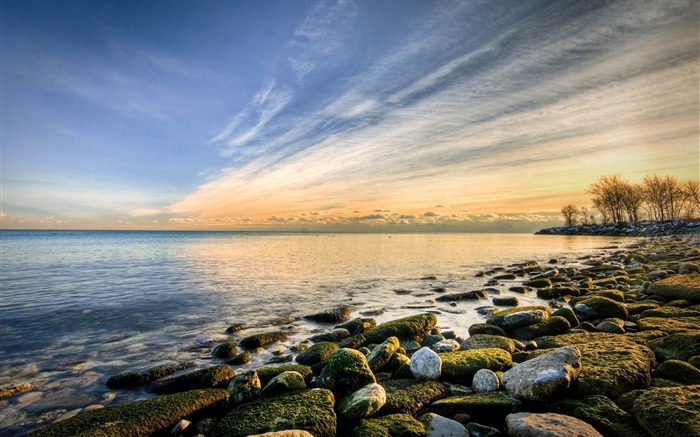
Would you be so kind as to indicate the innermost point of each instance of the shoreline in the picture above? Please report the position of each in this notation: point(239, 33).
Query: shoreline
point(644, 228)
point(558, 290)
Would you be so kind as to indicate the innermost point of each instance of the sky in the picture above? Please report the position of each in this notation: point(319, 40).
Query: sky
point(397, 116)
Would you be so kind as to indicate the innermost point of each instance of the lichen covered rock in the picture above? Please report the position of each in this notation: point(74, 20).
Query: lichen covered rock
point(602, 413)
point(482, 341)
point(405, 328)
point(669, 412)
point(512, 318)
point(679, 346)
point(284, 382)
point(485, 408)
point(672, 326)
point(263, 339)
point(460, 366)
point(345, 371)
point(382, 353)
point(678, 287)
point(394, 425)
point(209, 377)
point(548, 425)
point(317, 353)
point(599, 307)
point(410, 396)
point(135, 378)
point(362, 403)
point(544, 377)
point(552, 326)
point(268, 372)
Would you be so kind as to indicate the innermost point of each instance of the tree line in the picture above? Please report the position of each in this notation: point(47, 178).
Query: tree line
point(657, 198)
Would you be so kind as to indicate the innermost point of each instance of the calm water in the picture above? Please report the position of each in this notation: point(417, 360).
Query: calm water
point(77, 307)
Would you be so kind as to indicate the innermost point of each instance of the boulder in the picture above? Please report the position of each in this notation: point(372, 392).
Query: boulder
point(381, 354)
point(672, 326)
point(478, 430)
point(426, 364)
point(639, 307)
point(485, 328)
point(410, 396)
point(506, 301)
point(469, 295)
point(334, 315)
point(669, 412)
point(552, 326)
point(240, 358)
point(485, 408)
point(548, 425)
point(393, 425)
point(283, 383)
point(611, 326)
point(362, 403)
point(677, 370)
point(568, 314)
point(268, 372)
point(678, 287)
point(544, 377)
point(438, 426)
point(263, 339)
point(345, 371)
point(447, 345)
point(485, 381)
point(244, 387)
point(460, 366)
point(519, 316)
point(482, 341)
point(334, 335)
point(209, 377)
point(599, 307)
point(140, 418)
point(602, 413)
point(135, 378)
point(285, 433)
point(224, 350)
point(307, 410)
point(669, 311)
point(403, 329)
point(358, 325)
point(317, 353)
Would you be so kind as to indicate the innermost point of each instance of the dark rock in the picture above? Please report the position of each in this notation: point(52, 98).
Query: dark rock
point(669, 311)
point(268, 372)
point(669, 412)
point(553, 326)
point(485, 328)
point(678, 287)
point(640, 307)
point(520, 289)
point(334, 335)
point(520, 316)
point(283, 383)
point(345, 371)
point(353, 342)
point(469, 295)
point(405, 328)
point(605, 416)
point(460, 366)
point(599, 307)
point(506, 301)
point(485, 408)
point(394, 425)
point(538, 283)
point(236, 327)
point(224, 350)
point(335, 315)
point(382, 353)
point(478, 430)
point(135, 378)
point(317, 353)
point(568, 314)
point(678, 370)
point(244, 387)
point(358, 325)
point(258, 340)
point(239, 359)
point(410, 396)
point(672, 326)
point(362, 403)
point(210, 377)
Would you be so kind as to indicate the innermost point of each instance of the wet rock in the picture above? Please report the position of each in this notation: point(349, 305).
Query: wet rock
point(259, 340)
point(239, 359)
point(478, 430)
point(267, 373)
point(538, 283)
point(445, 346)
point(520, 289)
point(135, 378)
point(672, 326)
point(410, 396)
point(669, 412)
point(485, 328)
point(358, 325)
point(460, 366)
point(506, 301)
point(669, 312)
point(548, 425)
point(140, 418)
point(431, 339)
point(602, 413)
point(382, 353)
point(678, 370)
point(568, 314)
point(678, 287)
point(544, 377)
point(346, 371)
point(393, 425)
point(486, 408)
point(334, 315)
point(485, 381)
point(469, 295)
point(405, 328)
point(520, 316)
point(552, 326)
point(353, 342)
point(225, 350)
point(236, 327)
point(438, 426)
point(12, 390)
point(599, 307)
point(482, 341)
point(283, 383)
point(362, 403)
point(426, 364)
point(210, 377)
point(334, 335)
point(307, 410)
point(244, 387)
point(317, 353)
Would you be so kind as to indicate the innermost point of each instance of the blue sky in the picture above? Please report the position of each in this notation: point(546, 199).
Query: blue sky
point(459, 115)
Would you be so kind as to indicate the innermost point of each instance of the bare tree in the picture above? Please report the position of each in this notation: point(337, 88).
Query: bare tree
point(691, 191)
point(570, 213)
point(615, 198)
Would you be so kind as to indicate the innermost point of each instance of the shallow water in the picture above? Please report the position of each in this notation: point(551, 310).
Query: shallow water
point(79, 306)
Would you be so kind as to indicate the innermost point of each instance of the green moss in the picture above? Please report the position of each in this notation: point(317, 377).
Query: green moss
point(694, 361)
point(345, 371)
point(599, 307)
point(410, 396)
point(678, 287)
point(482, 341)
point(210, 377)
point(317, 353)
point(519, 316)
point(485, 408)
point(134, 378)
point(394, 425)
point(353, 342)
point(382, 353)
point(403, 329)
point(225, 350)
point(263, 339)
point(670, 311)
point(268, 372)
point(538, 283)
point(552, 326)
point(669, 412)
point(678, 370)
point(308, 410)
point(568, 314)
point(679, 346)
point(602, 413)
point(460, 366)
point(672, 326)
point(485, 328)
point(640, 307)
point(140, 418)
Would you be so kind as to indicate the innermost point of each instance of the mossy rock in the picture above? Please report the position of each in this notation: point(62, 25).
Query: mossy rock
point(358, 325)
point(553, 326)
point(602, 413)
point(640, 307)
point(209, 377)
point(669, 412)
point(568, 314)
point(307, 410)
point(140, 418)
point(669, 311)
point(394, 425)
point(267, 373)
point(672, 326)
point(263, 339)
point(334, 315)
point(599, 307)
point(135, 378)
point(678, 287)
point(486, 328)
point(644, 337)
point(345, 371)
point(538, 283)
point(485, 408)
point(336, 334)
point(284, 383)
point(520, 316)
point(6, 392)
point(317, 353)
point(679, 346)
point(663, 382)
point(694, 361)
point(410, 396)
point(678, 370)
point(381, 354)
point(460, 366)
point(224, 350)
point(408, 327)
point(612, 364)
point(482, 341)
point(353, 342)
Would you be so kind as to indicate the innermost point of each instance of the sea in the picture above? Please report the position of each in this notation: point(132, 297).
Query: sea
point(77, 307)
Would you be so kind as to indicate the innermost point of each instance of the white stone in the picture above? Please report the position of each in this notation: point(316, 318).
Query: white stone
point(445, 346)
point(180, 426)
point(443, 427)
point(484, 381)
point(426, 364)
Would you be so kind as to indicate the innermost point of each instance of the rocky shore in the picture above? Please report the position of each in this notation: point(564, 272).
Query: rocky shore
point(640, 229)
point(613, 350)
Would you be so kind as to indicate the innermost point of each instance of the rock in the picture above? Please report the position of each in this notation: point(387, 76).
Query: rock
point(520, 289)
point(382, 353)
point(672, 326)
point(362, 403)
point(135, 378)
point(285, 358)
point(486, 408)
point(469, 295)
point(438, 426)
point(210, 377)
point(431, 339)
point(12, 390)
point(460, 366)
point(478, 430)
point(482, 341)
point(410, 396)
point(445, 346)
point(678, 370)
point(393, 425)
point(599, 307)
point(485, 328)
point(426, 364)
point(259, 340)
point(266, 374)
point(505, 301)
point(244, 387)
point(283, 383)
point(224, 350)
point(180, 427)
point(240, 358)
point(307, 410)
point(544, 377)
point(553, 326)
point(317, 353)
point(611, 326)
point(345, 371)
point(548, 425)
point(669, 412)
point(353, 342)
point(694, 361)
point(485, 381)
point(236, 327)
point(612, 364)
point(358, 325)
point(334, 315)
point(285, 433)
point(688, 267)
point(669, 311)
point(538, 283)
point(678, 287)
point(403, 329)
point(640, 307)
point(520, 316)
point(602, 413)
point(139, 418)
point(334, 335)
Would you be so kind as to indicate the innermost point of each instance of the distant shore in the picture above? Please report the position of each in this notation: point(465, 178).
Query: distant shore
point(639, 229)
